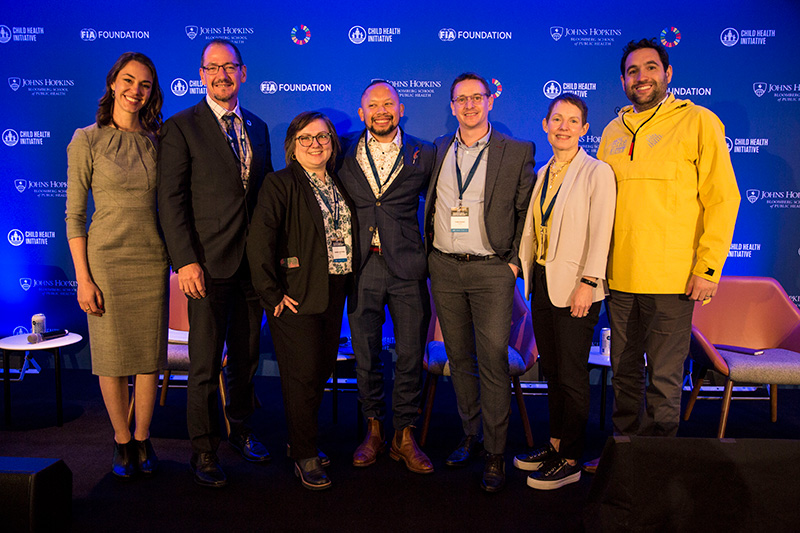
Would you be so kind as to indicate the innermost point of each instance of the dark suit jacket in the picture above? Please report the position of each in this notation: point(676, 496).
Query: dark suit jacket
point(288, 223)
point(203, 208)
point(395, 214)
point(509, 182)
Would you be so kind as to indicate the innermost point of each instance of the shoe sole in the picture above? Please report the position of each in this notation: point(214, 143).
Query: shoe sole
point(397, 456)
point(492, 489)
point(218, 485)
point(527, 466)
point(307, 485)
point(361, 464)
point(550, 485)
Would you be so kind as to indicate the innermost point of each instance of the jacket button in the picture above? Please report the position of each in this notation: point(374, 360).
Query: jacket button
point(378, 204)
point(371, 229)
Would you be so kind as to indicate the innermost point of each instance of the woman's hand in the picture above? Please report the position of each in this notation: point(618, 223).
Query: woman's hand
point(286, 302)
point(90, 298)
point(580, 301)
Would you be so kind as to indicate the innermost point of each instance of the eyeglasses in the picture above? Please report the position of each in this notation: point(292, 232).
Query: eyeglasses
point(307, 140)
point(230, 68)
point(475, 98)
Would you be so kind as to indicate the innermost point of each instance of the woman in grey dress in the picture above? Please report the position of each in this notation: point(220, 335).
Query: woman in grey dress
point(121, 263)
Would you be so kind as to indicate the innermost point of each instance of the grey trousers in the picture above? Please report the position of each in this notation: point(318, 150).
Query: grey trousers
point(659, 325)
point(474, 301)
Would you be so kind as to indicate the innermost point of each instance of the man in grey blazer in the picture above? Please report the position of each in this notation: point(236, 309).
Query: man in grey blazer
point(212, 160)
point(384, 171)
point(474, 215)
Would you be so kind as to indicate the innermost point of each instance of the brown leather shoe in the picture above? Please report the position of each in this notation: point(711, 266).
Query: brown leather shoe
point(374, 443)
point(590, 467)
point(405, 447)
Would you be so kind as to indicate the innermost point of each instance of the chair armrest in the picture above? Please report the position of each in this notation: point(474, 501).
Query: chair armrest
point(702, 351)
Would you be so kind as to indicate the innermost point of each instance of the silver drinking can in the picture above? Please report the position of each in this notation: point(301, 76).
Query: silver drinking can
point(605, 341)
point(38, 323)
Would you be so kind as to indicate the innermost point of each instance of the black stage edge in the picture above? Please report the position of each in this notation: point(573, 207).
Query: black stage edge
point(693, 484)
point(382, 497)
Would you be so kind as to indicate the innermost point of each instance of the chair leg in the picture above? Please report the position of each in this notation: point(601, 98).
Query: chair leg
point(223, 396)
point(726, 406)
point(523, 411)
point(130, 402)
point(698, 383)
point(164, 388)
point(426, 420)
point(335, 393)
point(773, 402)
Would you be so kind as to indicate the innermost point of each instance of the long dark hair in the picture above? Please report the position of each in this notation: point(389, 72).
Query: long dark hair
point(150, 114)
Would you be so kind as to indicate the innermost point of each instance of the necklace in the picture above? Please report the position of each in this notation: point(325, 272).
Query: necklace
point(554, 172)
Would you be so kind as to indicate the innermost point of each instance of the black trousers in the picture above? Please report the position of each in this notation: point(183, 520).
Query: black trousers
point(306, 348)
point(564, 342)
point(230, 313)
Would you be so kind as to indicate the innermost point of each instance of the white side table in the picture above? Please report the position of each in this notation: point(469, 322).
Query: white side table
point(19, 343)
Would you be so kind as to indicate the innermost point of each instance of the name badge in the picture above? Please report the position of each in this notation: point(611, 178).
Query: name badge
point(339, 252)
point(459, 219)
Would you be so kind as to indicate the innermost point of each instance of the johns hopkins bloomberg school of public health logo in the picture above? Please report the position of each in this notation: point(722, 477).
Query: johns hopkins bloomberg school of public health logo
point(235, 34)
point(774, 199)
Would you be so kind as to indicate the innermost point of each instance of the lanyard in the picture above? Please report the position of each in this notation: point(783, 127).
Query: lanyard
point(633, 141)
point(375, 170)
point(462, 188)
point(546, 213)
point(333, 210)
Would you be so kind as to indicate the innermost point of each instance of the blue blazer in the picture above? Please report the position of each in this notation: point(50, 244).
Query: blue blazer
point(395, 213)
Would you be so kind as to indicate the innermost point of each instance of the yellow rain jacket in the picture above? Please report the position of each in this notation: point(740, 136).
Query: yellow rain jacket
point(677, 197)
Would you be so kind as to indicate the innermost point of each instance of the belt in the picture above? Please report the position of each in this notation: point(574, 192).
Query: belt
point(465, 257)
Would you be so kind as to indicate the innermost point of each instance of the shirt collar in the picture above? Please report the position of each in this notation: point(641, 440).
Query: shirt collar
point(398, 138)
point(219, 111)
point(480, 142)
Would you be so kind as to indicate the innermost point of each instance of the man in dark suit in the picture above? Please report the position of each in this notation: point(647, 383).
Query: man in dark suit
point(474, 216)
point(384, 171)
point(212, 160)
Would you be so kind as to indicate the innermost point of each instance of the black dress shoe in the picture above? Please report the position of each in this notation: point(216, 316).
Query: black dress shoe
point(311, 473)
point(145, 456)
point(494, 473)
point(122, 465)
point(324, 460)
point(249, 446)
point(207, 471)
point(469, 447)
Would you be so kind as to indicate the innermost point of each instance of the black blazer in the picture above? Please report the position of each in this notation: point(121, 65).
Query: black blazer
point(509, 183)
point(288, 223)
point(395, 214)
point(203, 208)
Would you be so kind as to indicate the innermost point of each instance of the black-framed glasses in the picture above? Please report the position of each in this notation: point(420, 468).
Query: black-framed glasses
point(230, 68)
point(476, 99)
point(307, 140)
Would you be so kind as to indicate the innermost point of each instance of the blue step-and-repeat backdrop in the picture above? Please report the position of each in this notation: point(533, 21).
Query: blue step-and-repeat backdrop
point(736, 57)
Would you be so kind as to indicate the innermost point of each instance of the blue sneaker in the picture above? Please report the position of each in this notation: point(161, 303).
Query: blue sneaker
point(554, 474)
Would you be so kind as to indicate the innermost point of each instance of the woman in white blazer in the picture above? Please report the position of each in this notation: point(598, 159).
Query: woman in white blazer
point(563, 253)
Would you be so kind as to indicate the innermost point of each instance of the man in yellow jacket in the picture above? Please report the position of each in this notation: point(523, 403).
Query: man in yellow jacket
point(677, 201)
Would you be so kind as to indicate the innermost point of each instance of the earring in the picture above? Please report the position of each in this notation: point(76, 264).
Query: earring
point(112, 93)
point(294, 158)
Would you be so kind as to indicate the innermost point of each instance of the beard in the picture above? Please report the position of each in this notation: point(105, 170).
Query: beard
point(374, 130)
point(645, 102)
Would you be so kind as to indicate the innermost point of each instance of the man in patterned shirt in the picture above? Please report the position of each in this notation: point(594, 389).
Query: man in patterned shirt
point(385, 170)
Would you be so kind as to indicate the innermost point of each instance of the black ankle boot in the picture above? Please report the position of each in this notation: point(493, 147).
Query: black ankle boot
point(145, 456)
point(122, 466)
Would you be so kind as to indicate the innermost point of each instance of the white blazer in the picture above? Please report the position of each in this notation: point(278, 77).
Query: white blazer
point(580, 230)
